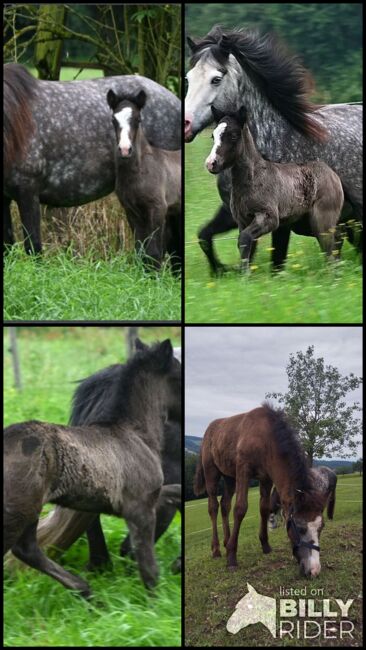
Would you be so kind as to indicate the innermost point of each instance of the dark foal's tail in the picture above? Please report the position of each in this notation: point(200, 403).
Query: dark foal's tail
point(331, 504)
point(199, 483)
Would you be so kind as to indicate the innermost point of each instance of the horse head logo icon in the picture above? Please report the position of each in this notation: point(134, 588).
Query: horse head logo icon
point(253, 608)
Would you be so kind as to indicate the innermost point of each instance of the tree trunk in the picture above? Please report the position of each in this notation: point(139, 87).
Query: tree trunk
point(48, 51)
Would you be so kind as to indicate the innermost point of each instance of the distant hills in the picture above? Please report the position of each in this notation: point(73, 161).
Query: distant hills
point(192, 445)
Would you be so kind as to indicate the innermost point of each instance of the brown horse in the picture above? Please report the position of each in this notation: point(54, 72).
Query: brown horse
point(260, 444)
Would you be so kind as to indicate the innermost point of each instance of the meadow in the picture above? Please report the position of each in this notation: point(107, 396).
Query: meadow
point(38, 611)
point(89, 270)
point(212, 592)
point(307, 291)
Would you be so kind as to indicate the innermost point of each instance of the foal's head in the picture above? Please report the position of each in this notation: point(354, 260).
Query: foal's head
point(304, 522)
point(227, 137)
point(126, 119)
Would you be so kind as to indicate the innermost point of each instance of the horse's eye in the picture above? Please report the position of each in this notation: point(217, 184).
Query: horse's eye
point(215, 81)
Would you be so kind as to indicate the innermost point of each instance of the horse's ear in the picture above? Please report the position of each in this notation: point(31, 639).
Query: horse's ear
point(217, 115)
point(191, 44)
point(139, 345)
point(165, 354)
point(242, 115)
point(112, 99)
point(140, 99)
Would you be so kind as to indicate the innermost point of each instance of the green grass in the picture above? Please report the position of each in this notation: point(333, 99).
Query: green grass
point(38, 610)
point(212, 592)
point(61, 286)
point(308, 291)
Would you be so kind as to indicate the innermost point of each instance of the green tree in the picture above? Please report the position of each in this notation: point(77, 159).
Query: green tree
point(315, 403)
point(358, 466)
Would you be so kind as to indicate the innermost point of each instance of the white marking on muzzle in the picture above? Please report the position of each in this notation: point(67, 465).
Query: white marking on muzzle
point(123, 118)
point(312, 563)
point(217, 135)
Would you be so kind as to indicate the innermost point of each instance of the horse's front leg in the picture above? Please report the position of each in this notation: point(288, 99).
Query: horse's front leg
point(280, 242)
point(141, 521)
point(30, 214)
point(241, 506)
point(264, 507)
point(150, 235)
point(261, 224)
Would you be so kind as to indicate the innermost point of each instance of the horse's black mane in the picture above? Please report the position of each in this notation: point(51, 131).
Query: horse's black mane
point(104, 397)
point(279, 76)
point(289, 446)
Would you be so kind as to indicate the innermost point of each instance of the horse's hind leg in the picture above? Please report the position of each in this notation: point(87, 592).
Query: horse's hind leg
point(30, 214)
point(141, 521)
point(241, 506)
point(8, 227)
point(221, 222)
point(27, 550)
point(331, 504)
point(212, 477)
point(225, 504)
point(264, 507)
point(98, 552)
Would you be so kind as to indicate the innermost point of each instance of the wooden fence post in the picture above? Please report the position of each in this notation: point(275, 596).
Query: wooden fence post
point(15, 357)
point(131, 337)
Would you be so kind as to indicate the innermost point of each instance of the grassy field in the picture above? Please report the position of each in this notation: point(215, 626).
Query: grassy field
point(212, 592)
point(38, 610)
point(65, 286)
point(88, 270)
point(306, 292)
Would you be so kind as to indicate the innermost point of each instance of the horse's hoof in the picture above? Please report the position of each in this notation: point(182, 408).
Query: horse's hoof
point(267, 549)
point(233, 567)
point(216, 554)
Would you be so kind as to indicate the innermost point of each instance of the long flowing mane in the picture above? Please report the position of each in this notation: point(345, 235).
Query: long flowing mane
point(289, 446)
point(306, 497)
point(105, 396)
point(19, 91)
point(279, 75)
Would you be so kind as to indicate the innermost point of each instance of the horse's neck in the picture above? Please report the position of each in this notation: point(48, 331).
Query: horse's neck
point(284, 482)
point(268, 127)
point(146, 411)
point(242, 171)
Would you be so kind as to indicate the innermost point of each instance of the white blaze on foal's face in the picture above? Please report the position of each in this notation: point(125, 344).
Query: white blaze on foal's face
point(124, 122)
point(217, 136)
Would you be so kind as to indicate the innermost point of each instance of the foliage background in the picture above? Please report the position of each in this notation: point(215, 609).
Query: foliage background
point(327, 36)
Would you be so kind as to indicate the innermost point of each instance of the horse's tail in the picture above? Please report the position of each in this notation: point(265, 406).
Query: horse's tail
point(199, 483)
point(19, 91)
point(62, 527)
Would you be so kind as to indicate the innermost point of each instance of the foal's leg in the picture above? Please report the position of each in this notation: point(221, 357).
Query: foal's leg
point(27, 550)
point(241, 506)
point(141, 521)
point(261, 224)
point(212, 477)
point(225, 504)
point(264, 507)
point(30, 213)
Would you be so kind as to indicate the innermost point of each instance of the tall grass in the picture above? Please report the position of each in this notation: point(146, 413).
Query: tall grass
point(39, 611)
point(308, 291)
